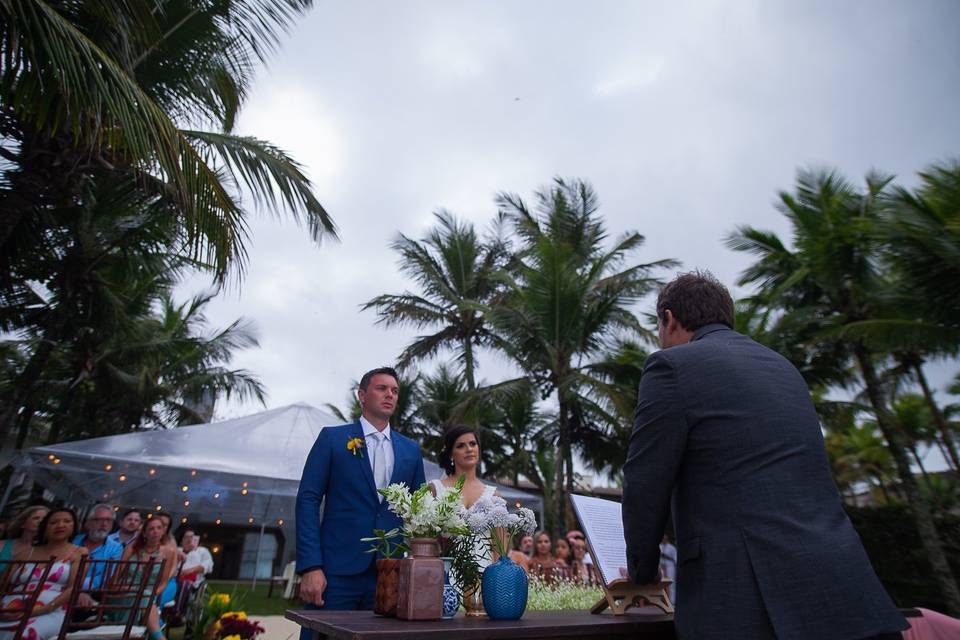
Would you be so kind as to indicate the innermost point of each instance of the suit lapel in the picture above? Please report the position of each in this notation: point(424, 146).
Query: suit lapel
point(365, 461)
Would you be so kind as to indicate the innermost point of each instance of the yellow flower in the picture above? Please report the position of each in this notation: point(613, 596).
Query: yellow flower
point(235, 636)
point(239, 615)
point(355, 446)
point(220, 598)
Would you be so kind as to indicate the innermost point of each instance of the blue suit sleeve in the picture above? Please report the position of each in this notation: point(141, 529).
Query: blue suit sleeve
point(657, 445)
point(313, 487)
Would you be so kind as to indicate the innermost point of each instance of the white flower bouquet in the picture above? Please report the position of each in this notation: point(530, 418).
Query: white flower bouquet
point(425, 515)
point(490, 518)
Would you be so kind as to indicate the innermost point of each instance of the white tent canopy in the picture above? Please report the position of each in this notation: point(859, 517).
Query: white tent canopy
point(242, 471)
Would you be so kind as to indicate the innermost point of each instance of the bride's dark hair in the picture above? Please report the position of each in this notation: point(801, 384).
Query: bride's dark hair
point(449, 439)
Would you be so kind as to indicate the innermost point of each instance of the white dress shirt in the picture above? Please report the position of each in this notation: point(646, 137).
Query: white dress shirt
point(369, 443)
point(199, 557)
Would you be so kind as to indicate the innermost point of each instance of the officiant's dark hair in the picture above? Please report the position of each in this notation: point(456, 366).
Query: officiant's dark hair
point(696, 299)
point(388, 371)
point(445, 460)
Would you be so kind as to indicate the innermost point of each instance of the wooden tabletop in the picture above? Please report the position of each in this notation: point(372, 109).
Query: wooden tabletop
point(359, 625)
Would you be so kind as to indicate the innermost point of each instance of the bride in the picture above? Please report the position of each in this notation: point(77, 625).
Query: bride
point(460, 457)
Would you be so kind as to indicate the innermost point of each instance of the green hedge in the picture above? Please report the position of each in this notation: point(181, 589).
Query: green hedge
point(893, 544)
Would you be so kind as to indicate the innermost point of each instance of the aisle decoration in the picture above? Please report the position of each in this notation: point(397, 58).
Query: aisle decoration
point(504, 582)
point(425, 518)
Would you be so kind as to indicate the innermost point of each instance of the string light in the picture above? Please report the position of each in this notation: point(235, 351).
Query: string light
point(215, 549)
point(250, 520)
point(518, 504)
point(107, 467)
point(193, 472)
point(51, 457)
point(152, 472)
point(280, 522)
point(243, 492)
point(186, 503)
point(216, 495)
point(159, 508)
point(244, 485)
point(219, 521)
point(56, 461)
point(116, 507)
point(184, 488)
point(122, 478)
point(183, 520)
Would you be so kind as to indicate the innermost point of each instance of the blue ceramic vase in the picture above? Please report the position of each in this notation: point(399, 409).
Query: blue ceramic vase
point(504, 590)
point(451, 598)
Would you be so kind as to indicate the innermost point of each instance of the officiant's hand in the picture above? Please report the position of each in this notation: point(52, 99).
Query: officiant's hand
point(312, 585)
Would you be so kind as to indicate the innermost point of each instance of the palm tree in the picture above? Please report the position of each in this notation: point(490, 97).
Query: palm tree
point(136, 91)
point(456, 272)
point(833, 279)
point(567, 300)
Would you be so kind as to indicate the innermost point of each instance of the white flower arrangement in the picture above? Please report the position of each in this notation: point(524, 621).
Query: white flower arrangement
point(490, 518)
point(425, 515)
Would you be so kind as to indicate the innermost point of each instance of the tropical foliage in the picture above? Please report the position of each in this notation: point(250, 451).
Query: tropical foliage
point(120, 173)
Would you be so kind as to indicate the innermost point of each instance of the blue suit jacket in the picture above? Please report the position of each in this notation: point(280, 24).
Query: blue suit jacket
point(765, 550)
point(352, 509)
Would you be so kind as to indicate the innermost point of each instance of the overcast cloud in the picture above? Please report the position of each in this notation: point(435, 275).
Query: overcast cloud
point(687, 117)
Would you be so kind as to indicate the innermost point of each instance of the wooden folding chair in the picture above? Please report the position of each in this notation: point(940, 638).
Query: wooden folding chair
point(21, 583)
point(125, 595)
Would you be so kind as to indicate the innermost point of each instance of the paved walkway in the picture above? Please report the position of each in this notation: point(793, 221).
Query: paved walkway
point(278, 628)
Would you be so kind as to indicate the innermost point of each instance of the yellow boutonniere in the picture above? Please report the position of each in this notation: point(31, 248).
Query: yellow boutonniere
point(355, 445)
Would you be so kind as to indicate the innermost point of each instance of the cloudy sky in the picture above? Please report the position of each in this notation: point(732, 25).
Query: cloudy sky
point(687, 117)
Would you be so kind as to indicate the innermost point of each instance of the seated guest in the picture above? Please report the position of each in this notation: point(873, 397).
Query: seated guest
point(149, 545)
point(197, 562)
point(170, 591)
point(526, 545)
point(578, 535)
point(580, 571)
point(130, 522)
point(53, 543)
point(23, 531)
point(561, 552)
point(542, 563)
point(96, 541)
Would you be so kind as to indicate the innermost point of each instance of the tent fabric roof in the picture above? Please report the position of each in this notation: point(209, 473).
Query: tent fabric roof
point(245, 470)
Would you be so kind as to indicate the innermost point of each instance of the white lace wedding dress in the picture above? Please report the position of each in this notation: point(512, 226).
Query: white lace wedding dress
point(480, 548)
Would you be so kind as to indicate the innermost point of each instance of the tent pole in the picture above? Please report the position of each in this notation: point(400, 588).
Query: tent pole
point(256, 563)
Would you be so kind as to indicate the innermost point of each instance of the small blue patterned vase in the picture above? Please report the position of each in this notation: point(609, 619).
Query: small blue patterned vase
point(451, 598)
point(504, 590)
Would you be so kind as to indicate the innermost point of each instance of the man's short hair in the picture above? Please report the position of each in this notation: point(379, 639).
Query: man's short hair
point(389, 371)
point(129, 511)
point(99, 507)
point(696, 299)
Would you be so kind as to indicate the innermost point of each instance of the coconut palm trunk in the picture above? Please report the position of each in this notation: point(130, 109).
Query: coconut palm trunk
point(923, 517)
point(949, 445)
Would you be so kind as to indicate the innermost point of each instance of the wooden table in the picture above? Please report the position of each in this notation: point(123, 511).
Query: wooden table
point(649, 624)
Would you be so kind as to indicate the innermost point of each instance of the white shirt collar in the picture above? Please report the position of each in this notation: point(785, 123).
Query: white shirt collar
point(369, 429)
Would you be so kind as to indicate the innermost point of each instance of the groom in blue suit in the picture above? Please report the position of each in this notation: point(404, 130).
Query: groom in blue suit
point(346, 466)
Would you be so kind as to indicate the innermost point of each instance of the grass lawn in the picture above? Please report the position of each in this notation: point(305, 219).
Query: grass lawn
point(254, 603)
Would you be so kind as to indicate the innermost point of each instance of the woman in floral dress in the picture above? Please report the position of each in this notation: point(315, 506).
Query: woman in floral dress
point(53, 543)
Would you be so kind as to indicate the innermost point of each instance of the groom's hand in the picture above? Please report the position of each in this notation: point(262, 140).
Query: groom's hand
point(312, 585)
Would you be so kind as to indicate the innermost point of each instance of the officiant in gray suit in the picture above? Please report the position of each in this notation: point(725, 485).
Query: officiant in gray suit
point(726, 429)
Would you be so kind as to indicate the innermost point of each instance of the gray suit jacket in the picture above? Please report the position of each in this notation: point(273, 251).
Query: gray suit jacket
point(726, 427)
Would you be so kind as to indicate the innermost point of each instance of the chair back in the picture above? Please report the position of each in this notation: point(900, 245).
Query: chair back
point(125, 593)
point(21, 583)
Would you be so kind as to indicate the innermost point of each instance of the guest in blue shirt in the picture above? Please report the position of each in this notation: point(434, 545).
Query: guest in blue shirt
point(99, 546)
point(130, 523)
